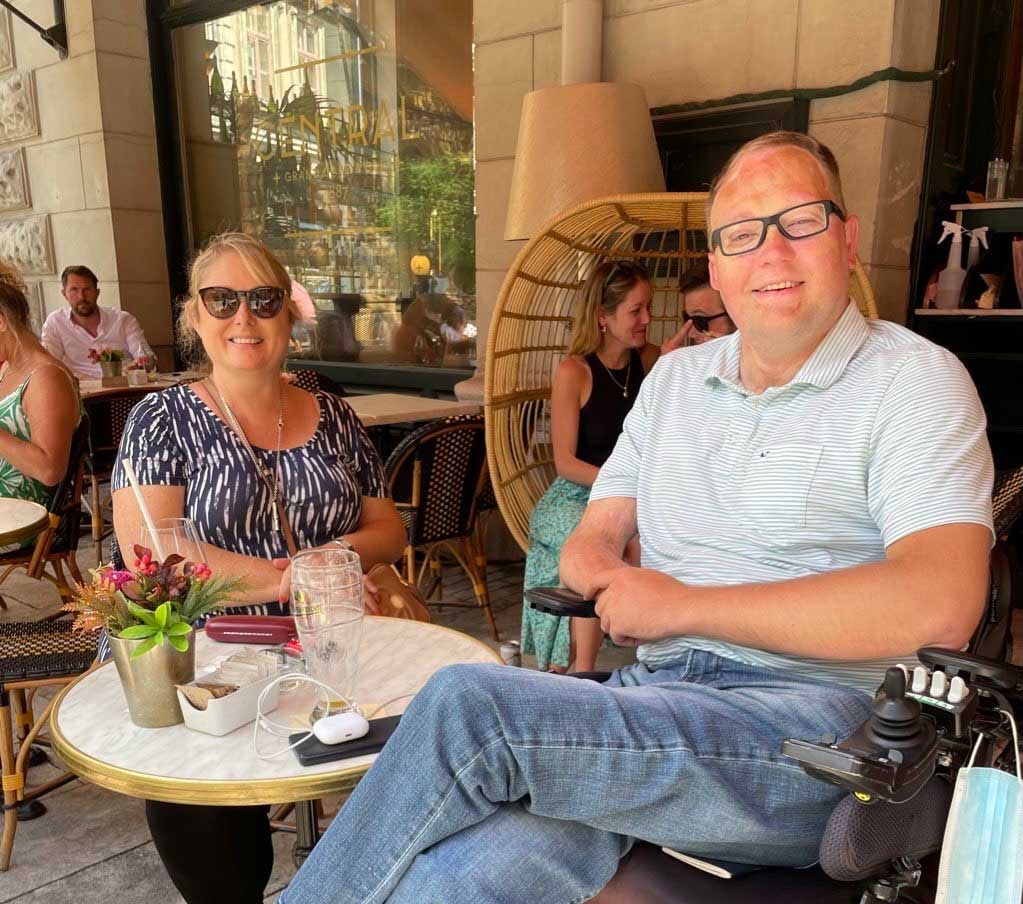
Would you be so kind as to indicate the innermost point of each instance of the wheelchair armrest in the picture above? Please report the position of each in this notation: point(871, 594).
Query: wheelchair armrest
point(1001, 676)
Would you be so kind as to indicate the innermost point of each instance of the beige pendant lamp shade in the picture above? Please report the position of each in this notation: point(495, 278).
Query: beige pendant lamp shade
point(576, 143)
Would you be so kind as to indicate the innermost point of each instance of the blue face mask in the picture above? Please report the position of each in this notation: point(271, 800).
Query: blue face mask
point(982, 854)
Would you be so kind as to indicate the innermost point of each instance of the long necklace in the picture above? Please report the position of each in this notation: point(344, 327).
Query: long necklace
point(272, 487)
point(628, 371)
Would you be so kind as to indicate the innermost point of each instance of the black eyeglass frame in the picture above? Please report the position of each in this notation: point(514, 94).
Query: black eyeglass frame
point(266, 308)
point(698, 319)
point(830, 207)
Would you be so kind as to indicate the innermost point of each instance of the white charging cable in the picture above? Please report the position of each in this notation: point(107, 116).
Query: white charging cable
point(284, 731)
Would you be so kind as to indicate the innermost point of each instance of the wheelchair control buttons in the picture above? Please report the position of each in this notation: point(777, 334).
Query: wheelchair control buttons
point(919, 680)
point(939, 685)
point(957, 690)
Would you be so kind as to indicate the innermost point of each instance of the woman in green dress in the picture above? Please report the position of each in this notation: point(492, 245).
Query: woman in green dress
point(39, 406)
point(594, 388)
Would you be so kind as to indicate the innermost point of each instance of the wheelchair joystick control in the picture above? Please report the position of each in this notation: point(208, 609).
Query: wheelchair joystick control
point(895, 721)
point(889, 757)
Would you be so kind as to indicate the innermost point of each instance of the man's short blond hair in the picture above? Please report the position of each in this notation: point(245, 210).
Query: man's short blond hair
point(816, 149)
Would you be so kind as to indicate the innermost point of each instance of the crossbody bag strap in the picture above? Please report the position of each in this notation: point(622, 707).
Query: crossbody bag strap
point(289, 536)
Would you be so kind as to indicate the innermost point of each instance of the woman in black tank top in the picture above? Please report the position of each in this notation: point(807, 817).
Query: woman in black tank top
point(594, 389)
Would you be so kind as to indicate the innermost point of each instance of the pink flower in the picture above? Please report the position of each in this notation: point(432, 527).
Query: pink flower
point(119, 578)
point(201, 571)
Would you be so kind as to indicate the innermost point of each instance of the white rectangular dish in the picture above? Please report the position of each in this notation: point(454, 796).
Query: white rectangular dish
point(224, 714)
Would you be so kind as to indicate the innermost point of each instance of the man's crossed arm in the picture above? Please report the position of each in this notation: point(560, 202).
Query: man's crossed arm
point(930, 590)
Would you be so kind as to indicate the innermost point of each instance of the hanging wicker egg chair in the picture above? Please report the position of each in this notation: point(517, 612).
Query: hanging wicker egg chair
point(533, 317)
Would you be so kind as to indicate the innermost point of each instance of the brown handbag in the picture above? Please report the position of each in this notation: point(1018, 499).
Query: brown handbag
point(397, 598)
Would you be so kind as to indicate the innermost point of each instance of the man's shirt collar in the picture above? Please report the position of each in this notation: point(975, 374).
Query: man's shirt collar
point(824, 366)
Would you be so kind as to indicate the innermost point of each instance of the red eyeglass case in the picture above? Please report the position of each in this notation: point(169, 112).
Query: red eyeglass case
point(268, 629)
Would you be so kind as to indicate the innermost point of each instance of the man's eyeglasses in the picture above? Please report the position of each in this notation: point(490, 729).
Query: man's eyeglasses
point(800, 222)
point(263, 301)
point(701, 322)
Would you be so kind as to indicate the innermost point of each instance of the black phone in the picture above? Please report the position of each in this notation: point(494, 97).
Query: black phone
point(561, 601)
point(313, 750)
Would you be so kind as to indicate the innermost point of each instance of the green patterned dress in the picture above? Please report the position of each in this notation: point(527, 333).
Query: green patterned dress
point(14, 484)
point(555, 516)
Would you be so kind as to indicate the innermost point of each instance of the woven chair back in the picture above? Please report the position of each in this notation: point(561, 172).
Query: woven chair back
point(1007, 499)
point(530, 328)
point(67, 498)
point(435, 476)
point(108, 415)
point(314, 381)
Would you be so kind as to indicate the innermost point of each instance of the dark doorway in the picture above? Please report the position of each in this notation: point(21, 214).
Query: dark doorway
point(694, 146)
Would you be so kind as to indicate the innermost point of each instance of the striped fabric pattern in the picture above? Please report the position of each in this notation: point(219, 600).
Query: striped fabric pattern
point(879, 435)
point(172, 438)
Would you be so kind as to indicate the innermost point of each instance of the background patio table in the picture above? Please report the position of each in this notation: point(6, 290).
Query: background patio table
point(383, 408)
point(20, 519)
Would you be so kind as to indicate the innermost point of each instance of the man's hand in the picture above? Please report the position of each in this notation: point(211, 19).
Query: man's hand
point(638, 605)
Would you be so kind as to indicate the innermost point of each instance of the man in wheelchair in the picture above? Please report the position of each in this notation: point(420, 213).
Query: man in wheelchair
point(812, 497)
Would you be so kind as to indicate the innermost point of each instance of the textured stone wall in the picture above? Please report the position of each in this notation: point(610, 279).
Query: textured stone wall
point(79, 182)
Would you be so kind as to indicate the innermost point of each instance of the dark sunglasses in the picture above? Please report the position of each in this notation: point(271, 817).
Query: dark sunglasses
point(701, 322)
point(263, 301)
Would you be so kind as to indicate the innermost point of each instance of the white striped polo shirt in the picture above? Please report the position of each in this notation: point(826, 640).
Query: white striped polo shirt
point(880, 434)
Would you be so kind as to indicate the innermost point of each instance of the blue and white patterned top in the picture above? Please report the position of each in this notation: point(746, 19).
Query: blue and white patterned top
point(879, 435)
point(173, 439)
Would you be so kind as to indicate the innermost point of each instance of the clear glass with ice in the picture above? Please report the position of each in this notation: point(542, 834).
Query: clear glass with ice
point(328, 605)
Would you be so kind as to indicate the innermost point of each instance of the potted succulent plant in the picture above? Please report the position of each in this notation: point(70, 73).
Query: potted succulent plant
point(110, 360)
point(148, 612)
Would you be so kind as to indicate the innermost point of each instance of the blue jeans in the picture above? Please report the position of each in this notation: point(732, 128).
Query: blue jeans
point(509, 785)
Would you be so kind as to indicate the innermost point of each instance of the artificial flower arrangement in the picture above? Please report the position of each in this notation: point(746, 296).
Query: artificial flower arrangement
point(106, 354)
point(156, 602)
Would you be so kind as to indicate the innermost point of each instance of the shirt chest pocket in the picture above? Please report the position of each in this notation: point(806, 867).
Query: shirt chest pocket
point(777, 484)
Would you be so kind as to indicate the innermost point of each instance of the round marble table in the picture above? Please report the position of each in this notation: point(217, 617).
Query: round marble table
point(92, 733)
point(20, 520)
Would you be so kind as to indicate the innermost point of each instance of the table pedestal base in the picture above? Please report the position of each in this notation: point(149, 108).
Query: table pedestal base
point(307, 831)
point(30, 809)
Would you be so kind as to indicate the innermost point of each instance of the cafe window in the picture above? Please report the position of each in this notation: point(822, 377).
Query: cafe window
point(340, 133)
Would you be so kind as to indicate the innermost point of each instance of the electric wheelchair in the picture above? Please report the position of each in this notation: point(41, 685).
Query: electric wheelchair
point(882, 842)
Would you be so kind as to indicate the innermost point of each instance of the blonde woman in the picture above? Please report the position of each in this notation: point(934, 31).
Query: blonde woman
point(39, 406)
point(594, 388)
point(247, 456)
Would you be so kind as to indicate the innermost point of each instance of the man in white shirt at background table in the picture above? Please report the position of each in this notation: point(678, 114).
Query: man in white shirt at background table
point(69, 334)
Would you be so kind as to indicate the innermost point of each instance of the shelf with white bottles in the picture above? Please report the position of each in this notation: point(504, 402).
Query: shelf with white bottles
point(1002, 216)
point(968, 312)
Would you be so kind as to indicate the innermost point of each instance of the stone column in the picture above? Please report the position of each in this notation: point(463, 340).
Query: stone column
point(91, 162)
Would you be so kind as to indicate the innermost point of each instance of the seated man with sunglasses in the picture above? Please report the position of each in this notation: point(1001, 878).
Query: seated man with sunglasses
point(702, 310)
point(812, 497)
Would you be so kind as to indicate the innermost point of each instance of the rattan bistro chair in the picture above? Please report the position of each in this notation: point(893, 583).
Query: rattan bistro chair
point(32, 655)
point(108, 414)
point(530, 327)
point(437, 476)
point(55, 546)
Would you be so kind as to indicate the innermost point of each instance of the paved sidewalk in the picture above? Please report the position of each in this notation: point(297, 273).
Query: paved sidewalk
point(93, 846)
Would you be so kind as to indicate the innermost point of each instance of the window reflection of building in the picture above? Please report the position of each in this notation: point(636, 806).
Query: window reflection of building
point(338, 153)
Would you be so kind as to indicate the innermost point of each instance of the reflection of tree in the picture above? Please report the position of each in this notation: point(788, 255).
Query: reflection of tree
point(436, 192)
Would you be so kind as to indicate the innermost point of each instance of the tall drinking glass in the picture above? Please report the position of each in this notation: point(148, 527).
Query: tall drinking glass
point(328, 605)
point(171, 536)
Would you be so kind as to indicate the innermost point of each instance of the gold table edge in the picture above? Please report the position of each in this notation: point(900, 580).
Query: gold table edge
point(237, 792)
